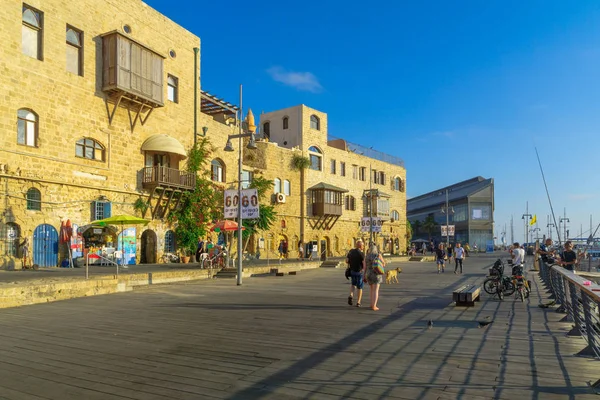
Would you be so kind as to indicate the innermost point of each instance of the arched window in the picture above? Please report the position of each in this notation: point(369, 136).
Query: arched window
point(316, 158)
point(169, 242)
point(395, 215)
point(31, 39)
point(34, 199)
point(277, 185)
point(90, 149)
point(267, 130)
point(286, 122)
point(398, 184)
point(27, 127)
point(217, 169)
point(287, 188)
point(350, 203)
point(74, 51)
point(315, 123)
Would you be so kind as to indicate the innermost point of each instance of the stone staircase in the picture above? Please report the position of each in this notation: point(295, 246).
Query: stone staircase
point(333, 264)
point(227, 273)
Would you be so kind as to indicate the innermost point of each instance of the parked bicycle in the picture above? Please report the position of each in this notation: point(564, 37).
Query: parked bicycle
point(214, 259)
point(498, 283)
point(521, 284)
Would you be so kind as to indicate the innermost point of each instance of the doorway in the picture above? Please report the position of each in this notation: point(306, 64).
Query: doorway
point(149, 247)
point(45, 246)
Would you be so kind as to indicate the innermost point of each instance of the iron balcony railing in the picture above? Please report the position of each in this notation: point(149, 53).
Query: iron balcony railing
point(170, 177)
point(579, 298)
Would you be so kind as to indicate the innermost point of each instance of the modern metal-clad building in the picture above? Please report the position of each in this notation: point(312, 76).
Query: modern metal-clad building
point(468, 205)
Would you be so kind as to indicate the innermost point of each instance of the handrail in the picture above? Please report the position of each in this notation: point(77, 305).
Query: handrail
point(579, 298)
point(87, 263)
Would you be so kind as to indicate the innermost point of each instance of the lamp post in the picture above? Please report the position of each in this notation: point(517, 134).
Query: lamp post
point(526, 217)
point(447, 210)
point(550, 225)
point(250, 128)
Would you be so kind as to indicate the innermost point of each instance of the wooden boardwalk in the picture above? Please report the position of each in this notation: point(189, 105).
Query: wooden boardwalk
point(293, 337)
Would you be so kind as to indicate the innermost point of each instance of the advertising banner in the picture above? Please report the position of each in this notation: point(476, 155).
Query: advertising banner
point(249, 204)
point(365, 224)
point(446, 228)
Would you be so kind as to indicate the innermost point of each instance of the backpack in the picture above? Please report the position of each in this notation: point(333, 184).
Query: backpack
point(378, 265)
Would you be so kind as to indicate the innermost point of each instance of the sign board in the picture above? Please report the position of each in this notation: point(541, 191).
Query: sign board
point(365, 224)
point(249, 203)
point(489, 246)
point(446, 228)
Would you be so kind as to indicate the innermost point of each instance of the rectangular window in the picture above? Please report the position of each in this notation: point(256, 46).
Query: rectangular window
point(32, 32)
point(247, 177)
point(363, 174)
point(333, 166)
point(74, 51)
point(277, 186)
point(286, 187)
point(375, 176)
point(381, 178)
point(101, 210)
point(315, 162)
point(173, 88)
point(342, 168)
point(355, 172)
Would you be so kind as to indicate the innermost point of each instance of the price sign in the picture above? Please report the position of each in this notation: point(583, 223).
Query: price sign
point(249, 204)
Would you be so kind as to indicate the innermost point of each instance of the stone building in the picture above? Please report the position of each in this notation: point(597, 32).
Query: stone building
point(100, 107)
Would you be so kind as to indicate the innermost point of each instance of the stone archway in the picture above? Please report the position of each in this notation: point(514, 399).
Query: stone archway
point(149, 247)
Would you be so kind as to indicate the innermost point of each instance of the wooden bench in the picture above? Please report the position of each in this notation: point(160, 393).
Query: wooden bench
point(466, 295)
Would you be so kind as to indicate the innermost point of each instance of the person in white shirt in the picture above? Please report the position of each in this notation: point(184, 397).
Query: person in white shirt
point(459, 255)
point(517, 254)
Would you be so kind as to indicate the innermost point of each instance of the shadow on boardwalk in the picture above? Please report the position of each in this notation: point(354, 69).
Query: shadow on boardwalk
point(516, 352)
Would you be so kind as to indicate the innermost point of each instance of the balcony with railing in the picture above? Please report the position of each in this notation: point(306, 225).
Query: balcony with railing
point(161, 176)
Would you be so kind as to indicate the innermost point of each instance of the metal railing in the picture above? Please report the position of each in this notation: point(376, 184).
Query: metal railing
point(97, 256)
point(369, 152)
point(164, 176)
point(579, 298)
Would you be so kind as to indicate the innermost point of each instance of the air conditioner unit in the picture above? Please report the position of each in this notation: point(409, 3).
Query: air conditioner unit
point(280, 198)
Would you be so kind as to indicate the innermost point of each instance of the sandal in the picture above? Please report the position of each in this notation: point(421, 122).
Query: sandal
point(349, 300)
point(357, 304)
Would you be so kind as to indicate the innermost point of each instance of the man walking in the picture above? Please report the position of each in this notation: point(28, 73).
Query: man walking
point(356, 261)
point(459, 255)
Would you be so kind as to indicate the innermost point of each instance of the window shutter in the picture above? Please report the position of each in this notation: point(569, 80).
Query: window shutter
point(107, 209)
point(93, 211)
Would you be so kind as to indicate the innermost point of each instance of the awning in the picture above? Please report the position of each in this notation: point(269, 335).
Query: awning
point(327, 186)
point(165, 144)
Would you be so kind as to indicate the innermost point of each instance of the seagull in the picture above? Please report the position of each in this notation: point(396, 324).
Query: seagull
point(483, 324)
point(429, 324)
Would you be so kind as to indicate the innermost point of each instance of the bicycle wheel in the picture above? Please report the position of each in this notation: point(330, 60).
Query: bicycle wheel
point(489, 285)
point(507, 287)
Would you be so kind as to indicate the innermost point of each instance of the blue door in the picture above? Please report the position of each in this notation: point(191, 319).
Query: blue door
point(45, 246)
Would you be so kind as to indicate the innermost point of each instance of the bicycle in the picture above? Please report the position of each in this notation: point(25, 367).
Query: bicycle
point(522, 285)
point(498, 284)
point(216, 261)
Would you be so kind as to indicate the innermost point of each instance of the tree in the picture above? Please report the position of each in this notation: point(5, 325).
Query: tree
point(301, 163)
point(199, 207)
point(409, 231)
point(429, 225)
point(416, 227)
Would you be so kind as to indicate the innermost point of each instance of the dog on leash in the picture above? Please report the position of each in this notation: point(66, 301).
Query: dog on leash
point(392, 275)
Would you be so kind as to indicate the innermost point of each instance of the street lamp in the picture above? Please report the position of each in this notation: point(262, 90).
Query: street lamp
point(447, 210)
point(564, 221)
point(250, 129)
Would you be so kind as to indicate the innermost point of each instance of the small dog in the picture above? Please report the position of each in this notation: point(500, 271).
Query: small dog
point(392, 275)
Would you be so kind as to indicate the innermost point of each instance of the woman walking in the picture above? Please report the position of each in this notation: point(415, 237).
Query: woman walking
point(372, 277)
point(441, 258)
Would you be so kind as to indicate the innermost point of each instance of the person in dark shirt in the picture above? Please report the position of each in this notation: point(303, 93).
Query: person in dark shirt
point(356, 262)
point(569, 257)
point(440, 258)
point(546, 253)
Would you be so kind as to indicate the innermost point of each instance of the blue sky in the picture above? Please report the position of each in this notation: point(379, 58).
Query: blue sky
point(456, 89)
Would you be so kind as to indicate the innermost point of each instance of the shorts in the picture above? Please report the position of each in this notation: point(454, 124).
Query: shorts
point(357, 279)
point(441, 261)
